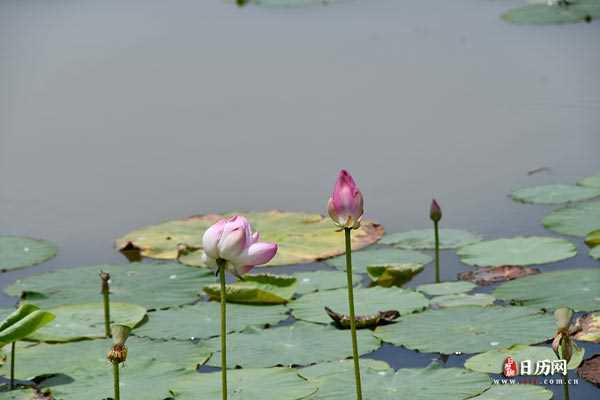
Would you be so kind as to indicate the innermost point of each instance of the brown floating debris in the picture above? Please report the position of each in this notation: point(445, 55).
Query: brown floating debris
point(590, 370)
point(363, 321)
point(489, 275)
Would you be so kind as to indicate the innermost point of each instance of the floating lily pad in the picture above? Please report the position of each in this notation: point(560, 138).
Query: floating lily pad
point(203, 320)
point(130, 283)
point(424, 239)
point(301, 237)
point(589, 326)
point(336, 381)
point(590, 370)
point(555, 13)
point(314, 281)
point(590, 181)
point(393, 274)
point(490, 275)
point(593, 238)
point(298, 344)
point(492, 361)
point(18, 252)
point(520, 392)
point(595, 253)
point(468, 329)
point(86, 321)
point(554, 194)
point(367, 302)
point(462, 299)
point(246, 384)
point(445, 288)
point(379, 256)
point(257, 289)
point(517, 251)
point(578, 289)
point(575, 220)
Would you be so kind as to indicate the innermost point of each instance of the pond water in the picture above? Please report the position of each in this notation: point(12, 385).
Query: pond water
point(115, 115)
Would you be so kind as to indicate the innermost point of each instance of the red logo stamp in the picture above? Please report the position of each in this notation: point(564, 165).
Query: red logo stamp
point(510, 368)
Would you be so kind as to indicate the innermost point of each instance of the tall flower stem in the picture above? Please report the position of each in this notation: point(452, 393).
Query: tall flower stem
point(566, 388)
point(222, 264)
point(358, 385)
point(12, 365)
point(437, 251)
point(105, 277)
point(116, 380)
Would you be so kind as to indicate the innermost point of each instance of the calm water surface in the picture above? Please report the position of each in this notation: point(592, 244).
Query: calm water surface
point(117, 114)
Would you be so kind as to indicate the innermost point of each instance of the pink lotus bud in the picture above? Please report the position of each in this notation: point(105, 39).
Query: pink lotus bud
point(435, 212)
point(231, 240)
point(345, 205)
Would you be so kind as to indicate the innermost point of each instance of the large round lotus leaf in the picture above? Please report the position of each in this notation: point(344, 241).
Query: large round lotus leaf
point(445, 288)
point(246, 384)
point(590, 181)
point(301, 237)
point(469, 329)
point(379, 256)
point(462, 299)
point(86, 321)
point(298, 344)
point(517, 251)
point(515, 392)
point(389, 275)
point(203, 320)
point(424, 239)
point(593, 238)
point(578, 289)
point(336, 381)
point(367, 302)
point(130, 283)
point(575, 11)
point(595, 253)
point(554, 194)
point(314, 281)
point(575, 220)
point(257, 289)
point(18, 252)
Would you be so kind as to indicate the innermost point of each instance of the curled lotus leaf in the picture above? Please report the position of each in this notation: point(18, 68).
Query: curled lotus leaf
point(257, 289)
point(301, 237)
point(554, 194)
point(387, 275)
point(18, 252)
point(588, 328)
point(363, 321)
point(490, 275)
point(593, 238)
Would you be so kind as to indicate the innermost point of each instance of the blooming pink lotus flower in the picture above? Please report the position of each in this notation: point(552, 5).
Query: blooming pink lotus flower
point(435, 212)
point(231, 240)
point(346, 205)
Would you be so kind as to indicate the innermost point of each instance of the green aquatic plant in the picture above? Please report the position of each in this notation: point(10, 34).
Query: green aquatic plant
point(435, 213)
point(18, 325)
point(105, 290)
point(118, 354)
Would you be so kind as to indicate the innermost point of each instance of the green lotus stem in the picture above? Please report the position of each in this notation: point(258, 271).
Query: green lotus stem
point(437, 251)
point(221, 264)
point(116, 380)
point(12, 365)
point(105, 277)
point(358, 385)
point(566, 388)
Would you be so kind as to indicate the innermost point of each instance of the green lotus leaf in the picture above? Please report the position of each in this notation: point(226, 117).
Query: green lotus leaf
point(590, 181)
point(367, 302)
point(517, 251)
point(18, 252)
point(257, 289)
point(593, 238)
point(575, 220)
point(589, 326)
point(336, 381)
point(130, 283)
point(394, 274)
point(492, 361)
point(575, 11)
point(468, 329)
point(284, 3)
point(445, 288)
point(424, 239)
point(23, 322)
point(578, 289)
point(298, 344)
point(203, 320)
point(86, 321)
point(301, 237)
point(246, 384)
point(379, 256)
point(462, 299)
point(595, 253)
point(520, 392)
point(554, 194)
point(314, 281)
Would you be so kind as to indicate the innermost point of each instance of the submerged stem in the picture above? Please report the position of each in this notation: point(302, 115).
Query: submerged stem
point(116, 380)
point(221, 265)
point(12, 365)
point(347, 232)
point(437, 251)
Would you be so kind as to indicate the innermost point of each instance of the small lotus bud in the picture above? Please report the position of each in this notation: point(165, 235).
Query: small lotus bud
point(563, 318)
point(104, 277)
point(435, 212)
